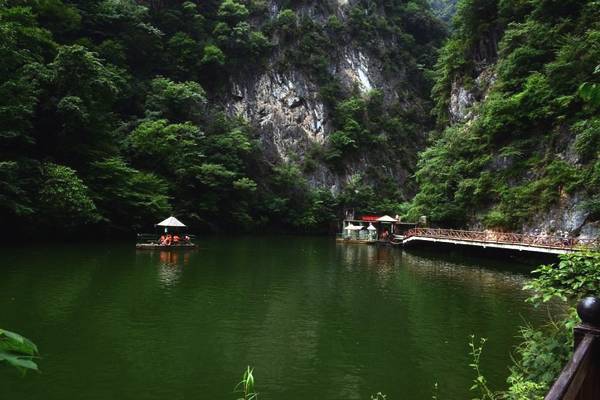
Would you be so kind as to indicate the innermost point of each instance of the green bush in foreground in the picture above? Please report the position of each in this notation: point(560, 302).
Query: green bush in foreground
point(574, 277)
point(17, 351)
point(544, 351)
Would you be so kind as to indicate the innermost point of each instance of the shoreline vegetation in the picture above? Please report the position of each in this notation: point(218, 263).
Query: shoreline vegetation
point(114, 113)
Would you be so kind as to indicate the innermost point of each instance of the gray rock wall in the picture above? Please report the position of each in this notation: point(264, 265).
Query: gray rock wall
point(285, 108)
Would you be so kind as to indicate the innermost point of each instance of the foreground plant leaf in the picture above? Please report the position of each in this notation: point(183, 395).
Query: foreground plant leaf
point(17, 351)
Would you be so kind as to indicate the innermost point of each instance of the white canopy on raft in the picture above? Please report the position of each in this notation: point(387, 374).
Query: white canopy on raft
point(171, 222)
point(386, 218)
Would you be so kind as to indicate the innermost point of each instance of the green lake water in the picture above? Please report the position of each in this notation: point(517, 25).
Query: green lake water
point(316, 319)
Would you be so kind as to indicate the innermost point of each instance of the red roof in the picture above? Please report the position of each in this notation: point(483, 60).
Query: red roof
point(370, 218)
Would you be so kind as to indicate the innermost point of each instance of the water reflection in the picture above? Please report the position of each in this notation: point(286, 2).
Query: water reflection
point(355, 255)
point(383, 260)
point(174, 258)
point(170, 264)
point(316, 319)
point(472, 275)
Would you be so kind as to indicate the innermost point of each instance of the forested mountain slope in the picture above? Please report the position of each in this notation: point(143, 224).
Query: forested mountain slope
point(518, 141)
point(239, 114)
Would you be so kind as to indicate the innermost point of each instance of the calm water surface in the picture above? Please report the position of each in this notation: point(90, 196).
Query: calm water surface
point(316, 319)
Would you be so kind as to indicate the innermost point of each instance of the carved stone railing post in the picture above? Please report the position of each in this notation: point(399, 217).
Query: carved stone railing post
point(580, 379)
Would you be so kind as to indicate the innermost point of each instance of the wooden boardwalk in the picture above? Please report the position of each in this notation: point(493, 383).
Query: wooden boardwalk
point(501, 240)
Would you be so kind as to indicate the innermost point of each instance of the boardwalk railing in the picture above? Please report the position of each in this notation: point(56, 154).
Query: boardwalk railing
point(580, 379)
point(553, 242)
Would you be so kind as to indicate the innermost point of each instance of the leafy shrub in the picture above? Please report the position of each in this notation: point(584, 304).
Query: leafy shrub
point(587, 141)
point(287, 20)
point(17, 351)
point(64, 200)
point(577, 275)
point(140, 196)
point(232, 11)
point(213, 55)
point(177, 102)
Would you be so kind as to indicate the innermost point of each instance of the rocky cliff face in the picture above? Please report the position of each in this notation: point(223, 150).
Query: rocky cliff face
point(463, 96)
point(473, 87)
point(286, 109)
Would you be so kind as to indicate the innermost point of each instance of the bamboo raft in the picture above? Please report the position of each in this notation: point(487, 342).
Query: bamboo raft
point(157, 246)
point(148, 241)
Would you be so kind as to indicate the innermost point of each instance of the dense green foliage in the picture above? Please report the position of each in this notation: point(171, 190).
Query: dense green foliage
point(111, 114)
point(444, 9)
point(533, 141)
point(576, 276)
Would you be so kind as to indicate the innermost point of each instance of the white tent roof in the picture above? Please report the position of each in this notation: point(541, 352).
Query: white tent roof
point(371, 227)
point(386, 218)
point(171, 221)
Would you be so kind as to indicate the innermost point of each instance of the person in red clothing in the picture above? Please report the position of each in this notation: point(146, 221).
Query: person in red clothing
point(176, 239)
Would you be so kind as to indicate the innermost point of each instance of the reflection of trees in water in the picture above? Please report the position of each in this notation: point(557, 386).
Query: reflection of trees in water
point(485, 296)
point(355, 255)
point(346, 318)
point(476, 275)
point(380, 259)
point(63, 279)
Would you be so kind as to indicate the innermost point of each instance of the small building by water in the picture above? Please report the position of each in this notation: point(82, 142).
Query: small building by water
point(373, 229)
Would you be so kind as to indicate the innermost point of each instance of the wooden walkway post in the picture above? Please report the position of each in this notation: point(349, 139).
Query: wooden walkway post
point(580, 379)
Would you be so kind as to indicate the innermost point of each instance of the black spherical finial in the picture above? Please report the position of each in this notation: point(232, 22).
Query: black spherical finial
point(588, 310)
